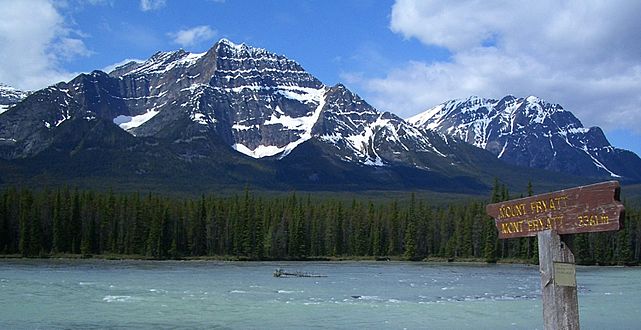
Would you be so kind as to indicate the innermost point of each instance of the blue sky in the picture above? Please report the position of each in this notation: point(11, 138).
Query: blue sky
point(402, 56)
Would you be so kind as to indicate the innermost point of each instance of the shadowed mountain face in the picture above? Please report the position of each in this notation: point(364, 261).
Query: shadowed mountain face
point(532, 133)
point(231, 116)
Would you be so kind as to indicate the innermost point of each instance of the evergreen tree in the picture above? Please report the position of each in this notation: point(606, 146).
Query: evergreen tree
point(35, 233)
point(623, 252)
point(410, 240)
point(4, 224)
point(394, 237)
point(58, 225)
point(75, 224)
point(582, 250)
point(26, 208)
point(197, 229)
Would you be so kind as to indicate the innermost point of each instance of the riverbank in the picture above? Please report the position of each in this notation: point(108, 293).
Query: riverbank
point(301, 259)
point(245, 258)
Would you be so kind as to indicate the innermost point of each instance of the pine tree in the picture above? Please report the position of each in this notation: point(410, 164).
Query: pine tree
point(58, 226)
point(26, 216)
point(197, 231)
point(4, 224)
point(75, 224)
point(410, 240)
point(623, 252)
point(35, 233)
point(410, 230)
point(394, 241)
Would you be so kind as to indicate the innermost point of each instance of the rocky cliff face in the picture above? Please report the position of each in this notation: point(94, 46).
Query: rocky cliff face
point(533, 133)
point(256, 102)
point(236, 114)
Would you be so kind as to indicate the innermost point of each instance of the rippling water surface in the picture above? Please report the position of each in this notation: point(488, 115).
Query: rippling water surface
point(52, 294)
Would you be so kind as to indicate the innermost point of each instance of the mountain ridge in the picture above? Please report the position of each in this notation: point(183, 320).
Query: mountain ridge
point(235, 115)
point(533, 133)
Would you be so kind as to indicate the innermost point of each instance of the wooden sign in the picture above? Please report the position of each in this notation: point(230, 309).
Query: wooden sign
point(577, 210)
point(583, 209)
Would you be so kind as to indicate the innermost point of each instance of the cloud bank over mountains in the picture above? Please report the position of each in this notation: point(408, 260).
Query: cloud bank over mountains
point(36, 41)
point(582, 54)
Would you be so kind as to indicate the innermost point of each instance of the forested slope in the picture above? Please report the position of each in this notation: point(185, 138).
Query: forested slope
point(251, 226)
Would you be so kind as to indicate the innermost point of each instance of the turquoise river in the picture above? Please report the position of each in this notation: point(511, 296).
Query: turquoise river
point(100, 294)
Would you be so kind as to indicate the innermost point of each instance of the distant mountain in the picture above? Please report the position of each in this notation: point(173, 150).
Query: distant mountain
point(532, 133)
point(10, 96)
point(231, 116)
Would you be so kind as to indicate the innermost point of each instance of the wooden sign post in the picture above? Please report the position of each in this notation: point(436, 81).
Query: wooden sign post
point(583, 209)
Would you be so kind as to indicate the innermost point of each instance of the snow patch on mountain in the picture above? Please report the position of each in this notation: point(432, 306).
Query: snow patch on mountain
point(10, 96)
point(300, 126)
point(259, 152)
point(163, 62)
point(129, 122)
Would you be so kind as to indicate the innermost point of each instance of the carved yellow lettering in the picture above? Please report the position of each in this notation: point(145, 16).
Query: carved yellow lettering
point(516, 226)
point(552, 207)
point(506, 211)
point(510, 211)
point(590, 220)
point(538, 206)
point(531, 226)
point(536, 225)
point(550, 223)
point(505, 229)
point(564, 199)
point(605, 219)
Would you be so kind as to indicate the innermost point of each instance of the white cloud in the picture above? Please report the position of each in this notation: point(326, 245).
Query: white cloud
point(581, 54)
point(149, 5)
point(37, 39)
point(193, 36)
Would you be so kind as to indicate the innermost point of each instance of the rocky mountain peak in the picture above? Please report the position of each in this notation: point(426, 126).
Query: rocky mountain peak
point(239, 66)
point(529, 132)
point(235, 100)
point(9, 96)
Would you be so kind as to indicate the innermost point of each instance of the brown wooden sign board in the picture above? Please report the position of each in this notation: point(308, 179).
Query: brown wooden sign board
point(582, 209)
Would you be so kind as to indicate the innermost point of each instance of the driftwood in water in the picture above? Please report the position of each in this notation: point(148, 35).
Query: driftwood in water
point(282, 273)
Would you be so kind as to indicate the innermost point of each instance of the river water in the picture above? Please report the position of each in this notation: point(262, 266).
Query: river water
point(97, 294)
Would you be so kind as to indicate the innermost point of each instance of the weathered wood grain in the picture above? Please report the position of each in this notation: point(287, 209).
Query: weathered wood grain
point(582, 209)
point(560, 303)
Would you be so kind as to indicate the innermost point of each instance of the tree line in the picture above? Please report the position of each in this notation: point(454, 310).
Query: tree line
point(253, 226)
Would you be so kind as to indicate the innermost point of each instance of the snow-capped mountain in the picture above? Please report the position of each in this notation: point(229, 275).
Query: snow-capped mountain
point(531, 132)
point(9, 96)
point(234, 114)
point(259, 103)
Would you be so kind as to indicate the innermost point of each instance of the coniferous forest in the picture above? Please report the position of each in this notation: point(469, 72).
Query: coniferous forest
point(251, 226)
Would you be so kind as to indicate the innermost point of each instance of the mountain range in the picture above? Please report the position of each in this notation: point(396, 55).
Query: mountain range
point(531, 132)
point(239, 115)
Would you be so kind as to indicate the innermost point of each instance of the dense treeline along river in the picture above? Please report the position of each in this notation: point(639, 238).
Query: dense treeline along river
point(92, 294)
point(248, 226)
